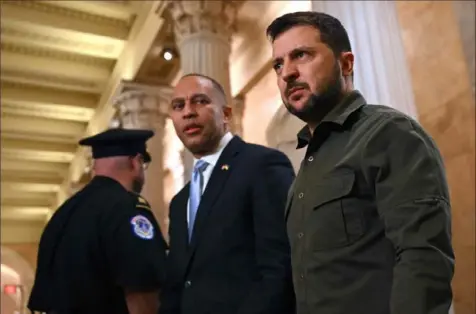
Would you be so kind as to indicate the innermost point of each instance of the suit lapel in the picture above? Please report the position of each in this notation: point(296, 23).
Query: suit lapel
point(178, 210)
point(289, 201)
point(218, 178)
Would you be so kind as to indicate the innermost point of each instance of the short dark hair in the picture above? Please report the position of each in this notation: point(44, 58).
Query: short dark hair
point(215, 83)
point(332, 31)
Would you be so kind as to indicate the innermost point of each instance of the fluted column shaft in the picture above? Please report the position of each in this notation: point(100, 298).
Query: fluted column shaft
point(141, 107)
point(203, 30)
point(207, 53)
point(381, 71)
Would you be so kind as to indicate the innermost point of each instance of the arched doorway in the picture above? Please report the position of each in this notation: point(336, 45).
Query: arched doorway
point(17, 276)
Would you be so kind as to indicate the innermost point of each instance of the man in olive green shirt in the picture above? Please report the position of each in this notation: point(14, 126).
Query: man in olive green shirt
point(368, 215)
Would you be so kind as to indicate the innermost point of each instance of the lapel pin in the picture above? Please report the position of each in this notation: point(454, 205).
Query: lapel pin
point(225, 167)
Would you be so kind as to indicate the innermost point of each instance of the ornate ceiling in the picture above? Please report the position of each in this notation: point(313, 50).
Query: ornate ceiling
point(61, 64)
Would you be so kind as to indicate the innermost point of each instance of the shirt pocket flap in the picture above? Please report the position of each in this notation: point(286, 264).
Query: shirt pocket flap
point(333, 187)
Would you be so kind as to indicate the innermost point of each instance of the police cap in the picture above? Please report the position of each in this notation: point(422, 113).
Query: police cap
point(119, 142)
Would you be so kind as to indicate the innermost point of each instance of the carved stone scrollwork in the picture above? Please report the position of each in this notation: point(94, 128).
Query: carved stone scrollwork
point(199, 16)
point(142, 109)
point(138, 110)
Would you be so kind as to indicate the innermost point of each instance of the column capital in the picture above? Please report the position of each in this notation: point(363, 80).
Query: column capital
point(142, 106)
point(200, 17)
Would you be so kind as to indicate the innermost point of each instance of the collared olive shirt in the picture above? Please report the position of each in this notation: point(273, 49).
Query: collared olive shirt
point(369, 216)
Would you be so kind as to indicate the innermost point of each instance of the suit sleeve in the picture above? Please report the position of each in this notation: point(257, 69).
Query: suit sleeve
point(273, 292)
point(413, 200)
point(135, 247)
point(171, 293)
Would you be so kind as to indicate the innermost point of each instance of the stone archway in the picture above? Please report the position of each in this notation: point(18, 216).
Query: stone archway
point(15, 270)
point(281, 134)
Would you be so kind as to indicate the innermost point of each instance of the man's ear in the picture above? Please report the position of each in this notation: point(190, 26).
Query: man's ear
point(227, 114)
point(347, 63)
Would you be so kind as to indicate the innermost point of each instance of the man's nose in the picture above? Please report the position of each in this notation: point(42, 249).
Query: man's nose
point(289, 72)
point(189, 110)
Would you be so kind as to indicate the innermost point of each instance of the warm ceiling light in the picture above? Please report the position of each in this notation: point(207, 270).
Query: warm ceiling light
point(168, 55)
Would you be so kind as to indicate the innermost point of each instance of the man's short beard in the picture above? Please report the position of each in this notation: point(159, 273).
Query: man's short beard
point(137, 185)
point(209, 144)
point(318, 105)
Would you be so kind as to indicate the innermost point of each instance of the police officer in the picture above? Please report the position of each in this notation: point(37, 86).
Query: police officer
point(102, 251)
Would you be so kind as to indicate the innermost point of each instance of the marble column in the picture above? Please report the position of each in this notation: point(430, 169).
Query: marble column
point(465, 15)
point(203, 30)
point(145, 107)
point(381, 70)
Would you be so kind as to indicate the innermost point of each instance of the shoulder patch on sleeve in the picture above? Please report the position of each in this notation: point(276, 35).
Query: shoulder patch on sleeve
point(142, 227)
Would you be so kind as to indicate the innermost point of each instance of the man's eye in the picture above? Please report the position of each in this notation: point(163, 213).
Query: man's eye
point(201, 101)
point(177, 106)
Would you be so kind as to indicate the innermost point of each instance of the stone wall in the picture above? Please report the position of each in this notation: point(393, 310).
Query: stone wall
point(444, 100)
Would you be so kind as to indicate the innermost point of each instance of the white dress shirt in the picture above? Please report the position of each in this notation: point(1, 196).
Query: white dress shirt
point(212, 160)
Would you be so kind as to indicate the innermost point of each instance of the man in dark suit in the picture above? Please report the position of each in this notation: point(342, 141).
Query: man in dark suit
point(229, 252)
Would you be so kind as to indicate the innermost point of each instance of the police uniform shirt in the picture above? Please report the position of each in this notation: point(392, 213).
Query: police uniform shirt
point(111, 242)
point(99, 243)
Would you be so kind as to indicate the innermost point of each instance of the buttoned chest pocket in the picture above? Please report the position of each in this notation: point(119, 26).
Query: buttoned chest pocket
point(335, 219)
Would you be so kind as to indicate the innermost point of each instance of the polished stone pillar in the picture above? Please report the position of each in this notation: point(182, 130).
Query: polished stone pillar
point(145, 107)
point(203, 30)
point(465, 15)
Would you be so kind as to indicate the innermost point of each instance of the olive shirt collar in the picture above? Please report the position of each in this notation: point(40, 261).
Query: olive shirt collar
point(337, 116)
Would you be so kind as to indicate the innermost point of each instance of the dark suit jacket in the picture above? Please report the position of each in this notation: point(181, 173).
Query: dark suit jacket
point(238, 261)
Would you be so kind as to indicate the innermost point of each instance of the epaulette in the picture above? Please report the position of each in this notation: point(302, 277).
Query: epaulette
point(142, 203)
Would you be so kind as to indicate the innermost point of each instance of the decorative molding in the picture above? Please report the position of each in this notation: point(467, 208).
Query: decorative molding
point(50, 168)
point(211, 16)
point(48, 111)
point(54, 54)
point(19, 154)
point(56, 138)
point(33, 35)
point(45, 79)
point(67, 13)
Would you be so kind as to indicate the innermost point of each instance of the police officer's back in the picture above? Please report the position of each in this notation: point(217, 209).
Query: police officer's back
point(102, 251)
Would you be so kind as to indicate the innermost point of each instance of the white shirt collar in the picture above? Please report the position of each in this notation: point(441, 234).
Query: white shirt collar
point(212, 159)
